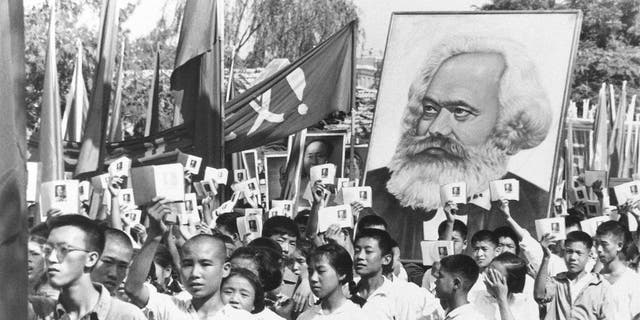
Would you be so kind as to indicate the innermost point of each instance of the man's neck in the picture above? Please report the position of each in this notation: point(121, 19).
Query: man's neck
point(208, 305)
point(333, 301)
point(368, 285)
point(458, 300)
point(574, 276)
point(80, 297)
point(614, 269)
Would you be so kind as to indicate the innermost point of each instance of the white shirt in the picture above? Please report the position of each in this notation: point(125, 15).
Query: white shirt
point(266, 314)
point(577, 285)
point(522, 306)
point(401, 301)
point(464, 312)
point(348, 310)
point(533, 252)
point(165, 307)
point(626, 292)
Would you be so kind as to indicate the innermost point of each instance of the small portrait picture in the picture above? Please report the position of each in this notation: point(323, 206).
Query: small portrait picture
point(325, 172)
point(193, 163)
point(207, 187)
point(342, 214)
point(580, 194)
point(555, 227)
point(345, 183)
point(634, 189)
point(508, 187)
point(558, 209)
point(126, 198)
point(252, 186)
point(363, 195)
point(287, 207)
point(81, 190)
point(119, 166)
point(188, 205)
point(455, 191)
point(60, 192)
point(443, 252)
point(240, 176)
point(253, 226)
point(592, 209)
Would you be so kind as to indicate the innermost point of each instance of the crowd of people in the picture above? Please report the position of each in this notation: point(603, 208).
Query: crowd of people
point(82, 268)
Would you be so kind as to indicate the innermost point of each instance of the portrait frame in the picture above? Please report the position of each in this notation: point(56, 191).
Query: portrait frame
point(337, 139)
point(275, 164)
point(406, 49)
point(250, 163)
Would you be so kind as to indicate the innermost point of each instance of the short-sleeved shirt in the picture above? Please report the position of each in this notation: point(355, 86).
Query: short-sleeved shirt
point(165, 307)
point(107, 308)
point(348, 311)
point(522, 306)
point(592, 301)
point(626, 291)
point(401, 301)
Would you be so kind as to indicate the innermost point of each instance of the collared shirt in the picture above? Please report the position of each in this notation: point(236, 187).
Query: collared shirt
point(165, 307)
point(107, 308)
point(347, 311)
point(266, 314)
point(593, 301)
point(464, 312)
point(401, 300)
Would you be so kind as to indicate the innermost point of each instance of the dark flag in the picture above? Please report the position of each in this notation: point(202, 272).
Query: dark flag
point(75, 112)
point(93, 147)
point(13, 229)
point(50, 127)
point(197, 78)
point(296, 97)
point(292, 183)
point(153, 108)
point(115, 123)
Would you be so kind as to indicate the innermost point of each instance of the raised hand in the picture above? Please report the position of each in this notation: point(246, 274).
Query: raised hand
point(450, 208)
point(504, 208)
point(496, 284)
point(114, 185)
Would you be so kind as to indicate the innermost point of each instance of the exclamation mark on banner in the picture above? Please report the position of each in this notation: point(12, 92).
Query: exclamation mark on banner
point(297, 83)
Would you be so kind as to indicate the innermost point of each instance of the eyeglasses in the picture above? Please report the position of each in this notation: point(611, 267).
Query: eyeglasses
point(61, 249)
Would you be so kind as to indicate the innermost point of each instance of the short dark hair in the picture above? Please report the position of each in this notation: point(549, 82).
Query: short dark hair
point(507, 232)
point(302, 217)
point(385, 243)
point(579, 236)
point(338, 257)
point(264, 242)
point(617, 230)
point(516, 271)
point(120, 236)
point(94, 234)
point(484, 235)
point(267, 261)
point(457, 226)
point(258, 301)
point(371, 220)
point(228, 221)
point(280, 225)
point(40, 230)
point(463, 266)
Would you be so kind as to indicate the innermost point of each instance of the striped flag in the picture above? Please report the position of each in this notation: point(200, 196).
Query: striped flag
point(115, 123)
point(93, 147)
point(13, 181)
point(601, 127)
point(50, 127)
point(75, 111)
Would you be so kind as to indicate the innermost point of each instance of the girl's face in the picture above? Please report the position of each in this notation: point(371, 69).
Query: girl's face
point(239, 293)
point(323, 278)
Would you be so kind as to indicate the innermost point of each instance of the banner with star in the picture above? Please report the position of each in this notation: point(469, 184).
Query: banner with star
point(296, 97)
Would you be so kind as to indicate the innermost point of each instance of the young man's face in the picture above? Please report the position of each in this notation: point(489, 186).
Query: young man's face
point(483, 253)
point(444, 284)
point(113, 265)
point(576, 256)
point(286, 242)
point(607, 247)
point(506, 244)
point(368, 258)
point(459, 243)
point(203, 267)
point(63, 270)
point(35, 262)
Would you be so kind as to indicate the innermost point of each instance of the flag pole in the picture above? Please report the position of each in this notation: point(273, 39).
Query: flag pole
point(352, 101)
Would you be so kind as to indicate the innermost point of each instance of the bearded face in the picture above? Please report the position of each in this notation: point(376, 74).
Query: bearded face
point(449, 133)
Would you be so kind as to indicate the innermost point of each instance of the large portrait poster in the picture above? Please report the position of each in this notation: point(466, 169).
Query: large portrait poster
point(468, 97)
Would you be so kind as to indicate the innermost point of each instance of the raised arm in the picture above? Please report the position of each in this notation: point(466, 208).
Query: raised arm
point(114, 191)
point(497, 286)
point(320, 198)
point(504, 207)
point(449, 208)
point(134, 286)
point(540, 288)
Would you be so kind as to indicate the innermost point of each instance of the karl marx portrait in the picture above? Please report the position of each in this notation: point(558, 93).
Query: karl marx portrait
point(474, 103)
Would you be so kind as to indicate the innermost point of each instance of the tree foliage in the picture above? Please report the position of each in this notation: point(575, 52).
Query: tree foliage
point(608, 50)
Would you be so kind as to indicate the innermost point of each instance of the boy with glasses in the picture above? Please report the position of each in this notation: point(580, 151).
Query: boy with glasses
point(72, 250)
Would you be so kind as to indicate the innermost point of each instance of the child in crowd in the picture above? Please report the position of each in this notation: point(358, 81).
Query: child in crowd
point(455, 231)
point(454, 279)
point(202, 269)
point(113, 266)
point(484, 245)
point(330, 270)
point(576, 293)
point(373, 258)
point(242, 289)
point(505, 298)
point(612, 241)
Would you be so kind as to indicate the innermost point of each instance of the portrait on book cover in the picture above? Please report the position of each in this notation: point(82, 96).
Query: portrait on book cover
point(468, 97)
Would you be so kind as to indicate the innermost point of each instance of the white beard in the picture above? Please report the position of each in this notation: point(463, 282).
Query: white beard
point(416, 179)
